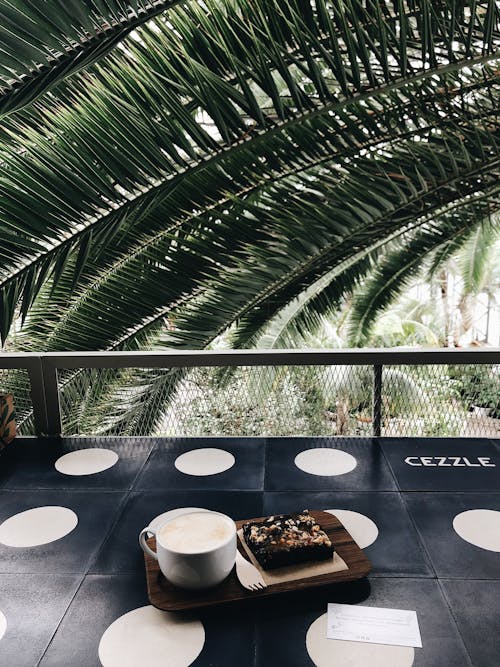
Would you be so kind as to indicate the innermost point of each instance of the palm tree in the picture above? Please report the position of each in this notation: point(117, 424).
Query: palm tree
point(173, 170)
point(470, 255)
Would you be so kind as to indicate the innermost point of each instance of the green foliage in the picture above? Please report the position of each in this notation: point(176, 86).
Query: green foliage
point(354, 385)
point(401, 265)
point(478, 386)
point(7, 419)
point(229, 164)
point(291, 406)
point(41, 45)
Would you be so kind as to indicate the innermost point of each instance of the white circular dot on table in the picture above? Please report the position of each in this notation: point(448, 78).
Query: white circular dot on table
point(205, 461)
point(3, 624)
point(325, 461)
point(86, 461)
point(166, 516)
point(479, 527)
point(326, 652)
point(37, 526)
point(362, 529)
point(150, 637)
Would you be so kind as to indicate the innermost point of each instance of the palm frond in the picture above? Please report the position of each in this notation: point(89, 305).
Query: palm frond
point(282, 327)
point(476, 255)
point(402, 266)
point(130, 256)
point(41, 44)
point(329, 232)
point(69, 189)
point(204, 171)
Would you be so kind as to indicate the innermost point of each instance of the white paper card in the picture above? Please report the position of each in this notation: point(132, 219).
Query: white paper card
point(374, 625)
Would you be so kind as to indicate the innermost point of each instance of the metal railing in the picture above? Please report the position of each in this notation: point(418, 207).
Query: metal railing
point(46, 373)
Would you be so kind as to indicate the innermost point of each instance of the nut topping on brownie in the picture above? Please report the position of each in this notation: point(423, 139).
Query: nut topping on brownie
point(287, 539)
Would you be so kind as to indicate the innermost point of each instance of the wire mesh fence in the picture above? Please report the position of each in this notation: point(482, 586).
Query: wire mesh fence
point(442, 400)
point(415, 400)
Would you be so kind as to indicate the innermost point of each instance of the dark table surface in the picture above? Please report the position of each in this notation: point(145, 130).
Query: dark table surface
point(58, 599)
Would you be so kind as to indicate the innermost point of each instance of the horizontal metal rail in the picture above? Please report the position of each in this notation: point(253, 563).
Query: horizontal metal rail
point(43, 368)
point(192, 358)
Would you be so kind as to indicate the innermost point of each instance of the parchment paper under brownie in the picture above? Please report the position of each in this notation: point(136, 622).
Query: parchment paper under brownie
point(287, 539)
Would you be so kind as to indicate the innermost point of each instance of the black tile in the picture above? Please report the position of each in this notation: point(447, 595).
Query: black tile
point(397, 550)
point(229, 636)
point(247, 472)
point(450, 555)
point(370, 474)
point(443, 464)
point(283, 622)
point(121, 551)
point(72, 553)
point(476, 609)
point(442, 645)
point(33, 605)
point(29, 463)
point(99, 602)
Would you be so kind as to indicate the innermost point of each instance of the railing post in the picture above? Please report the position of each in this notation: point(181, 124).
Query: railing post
point(377, 400)
point(51, 397)
point(37, 391)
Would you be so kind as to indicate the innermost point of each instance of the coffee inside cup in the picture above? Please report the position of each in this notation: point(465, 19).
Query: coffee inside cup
point(196, 532)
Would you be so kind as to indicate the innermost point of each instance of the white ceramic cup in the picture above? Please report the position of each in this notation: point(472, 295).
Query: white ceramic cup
point(193, 568)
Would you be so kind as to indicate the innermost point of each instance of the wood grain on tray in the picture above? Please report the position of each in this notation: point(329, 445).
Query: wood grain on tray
point(164, 595)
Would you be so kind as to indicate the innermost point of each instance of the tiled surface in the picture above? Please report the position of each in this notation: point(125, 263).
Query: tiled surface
point(370, 474)
point(451, 556)
point(30, 463)
point(60, 598)
point(102, 599)
point(440, 637)
point(247, 473)
point(397, 551)
point(476, 607)
point(72, 553)
point(33, 606)
point(444, 464)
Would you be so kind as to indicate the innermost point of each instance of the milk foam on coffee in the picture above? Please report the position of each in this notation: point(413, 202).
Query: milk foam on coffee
point(198, 531)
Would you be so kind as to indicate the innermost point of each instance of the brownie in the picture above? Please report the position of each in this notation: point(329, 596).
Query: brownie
point(287, 539)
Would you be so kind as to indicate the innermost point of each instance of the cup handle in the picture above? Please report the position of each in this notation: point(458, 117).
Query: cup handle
point(145, 532)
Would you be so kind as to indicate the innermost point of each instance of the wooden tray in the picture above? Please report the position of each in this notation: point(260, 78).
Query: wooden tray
point(163, 595)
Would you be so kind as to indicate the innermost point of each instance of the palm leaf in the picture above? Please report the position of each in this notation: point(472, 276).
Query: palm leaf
point(401, 266)
point(125, 259)
point(202, 335)
point(284, 266)
point(101, 186)
point(476, 255)
point(40, 46)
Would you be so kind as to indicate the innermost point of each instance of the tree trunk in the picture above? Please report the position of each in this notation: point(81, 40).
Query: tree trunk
point(443, 286)
point(342, 416)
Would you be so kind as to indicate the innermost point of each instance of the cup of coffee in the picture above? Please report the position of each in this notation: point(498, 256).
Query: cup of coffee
point(195, 550)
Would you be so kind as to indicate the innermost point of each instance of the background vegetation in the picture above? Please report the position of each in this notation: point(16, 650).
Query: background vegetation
point(174, 172)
